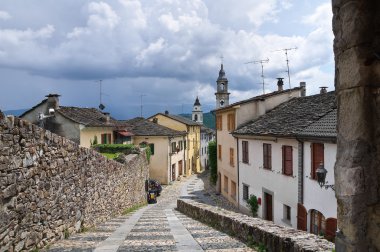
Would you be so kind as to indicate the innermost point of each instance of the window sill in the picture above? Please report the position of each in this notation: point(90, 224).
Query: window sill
point(287, 222)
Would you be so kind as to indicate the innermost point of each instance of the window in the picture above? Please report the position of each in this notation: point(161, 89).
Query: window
point(180, 144)
point(225, 186)
point(317, 223)
point(232, 159)
point(267, 156)
point(231, 122)
point(220, 152)
point(174, 147)
point(233, 190)
point(245, 192)
point(287, 213)
point(287, 160)
point(219, 122)
point(151, 146)
point(106, 138)
point(317, 157)
point(245, 152)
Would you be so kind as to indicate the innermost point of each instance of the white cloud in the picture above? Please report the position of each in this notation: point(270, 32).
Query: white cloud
point(322, 17)
point(4, 15)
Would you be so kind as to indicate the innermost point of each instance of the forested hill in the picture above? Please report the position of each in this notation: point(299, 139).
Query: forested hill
point(208, 119)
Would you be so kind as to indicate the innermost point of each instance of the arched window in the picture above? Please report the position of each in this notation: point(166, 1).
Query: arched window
point(195, 117)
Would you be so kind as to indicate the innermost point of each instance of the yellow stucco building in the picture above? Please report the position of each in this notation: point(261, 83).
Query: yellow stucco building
point(81, 125)
point(192, 141)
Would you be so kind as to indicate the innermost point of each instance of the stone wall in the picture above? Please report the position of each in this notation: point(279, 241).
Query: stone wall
point(254, 230)
point(50, 187)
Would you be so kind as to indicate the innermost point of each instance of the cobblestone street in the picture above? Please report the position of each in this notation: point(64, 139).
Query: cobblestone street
point(157, 227)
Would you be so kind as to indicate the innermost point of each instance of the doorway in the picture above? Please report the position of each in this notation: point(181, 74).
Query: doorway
point(173, 172)
point(268, 208)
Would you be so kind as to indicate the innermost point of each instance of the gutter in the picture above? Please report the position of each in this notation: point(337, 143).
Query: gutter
point(238, 172)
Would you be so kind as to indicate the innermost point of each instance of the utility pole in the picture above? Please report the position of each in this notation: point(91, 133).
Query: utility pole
point(261, 62)
point(141, 96)
point(287, 60)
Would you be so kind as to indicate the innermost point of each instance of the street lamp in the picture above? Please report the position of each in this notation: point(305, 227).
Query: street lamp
point(321, 177)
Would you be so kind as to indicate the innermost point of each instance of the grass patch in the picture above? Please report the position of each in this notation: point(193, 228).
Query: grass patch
point(133, 208)
point(109, 155)
point(66, 233)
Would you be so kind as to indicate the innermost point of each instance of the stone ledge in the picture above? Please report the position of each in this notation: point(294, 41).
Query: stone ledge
point(248, 229)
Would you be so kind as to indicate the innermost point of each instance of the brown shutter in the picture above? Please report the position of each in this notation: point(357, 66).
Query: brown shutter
point(317, 150)
point(301, 217)
point(267, 155)
point(331, 227)
point(245, 151)
point(287, 154)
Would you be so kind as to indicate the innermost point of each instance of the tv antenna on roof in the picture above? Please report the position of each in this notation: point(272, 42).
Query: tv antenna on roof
point(287, 59)
point(141, 104)
point(101, 106)
point(262, 69)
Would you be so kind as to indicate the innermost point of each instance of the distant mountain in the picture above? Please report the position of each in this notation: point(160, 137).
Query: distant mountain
point(15, 112)
point(208, 119)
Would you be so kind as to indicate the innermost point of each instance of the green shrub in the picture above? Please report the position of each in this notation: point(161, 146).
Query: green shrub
point(212, 157)
point(253, 204)
point(116, 148)
point(148, 153)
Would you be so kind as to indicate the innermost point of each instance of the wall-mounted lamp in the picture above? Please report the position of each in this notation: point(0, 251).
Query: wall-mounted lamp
point(321, 177)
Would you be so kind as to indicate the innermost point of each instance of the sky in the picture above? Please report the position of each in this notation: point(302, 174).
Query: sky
point(159, 53)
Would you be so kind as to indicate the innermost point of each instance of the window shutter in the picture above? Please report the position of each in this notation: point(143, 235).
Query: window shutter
point(231, 156)
point(317, 156)
point(287, 154)
point(245, 152)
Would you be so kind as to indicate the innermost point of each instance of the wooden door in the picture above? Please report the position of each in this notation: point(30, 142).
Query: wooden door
point(331, 226)
point(268, 206)
point(301, 217)
point(180, 168)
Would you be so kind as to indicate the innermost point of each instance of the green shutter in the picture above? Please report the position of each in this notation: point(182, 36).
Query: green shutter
point(151, 146)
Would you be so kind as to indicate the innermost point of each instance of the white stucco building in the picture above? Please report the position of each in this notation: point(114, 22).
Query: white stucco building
point(275, 161)
point(207, 135)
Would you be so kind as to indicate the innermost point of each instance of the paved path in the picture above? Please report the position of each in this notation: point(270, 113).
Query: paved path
point(156, 227)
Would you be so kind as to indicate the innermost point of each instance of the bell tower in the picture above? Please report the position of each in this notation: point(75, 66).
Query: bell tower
point(197, 114)
point(222, 95)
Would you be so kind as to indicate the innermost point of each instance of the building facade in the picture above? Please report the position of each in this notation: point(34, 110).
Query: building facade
point(81, 125)
point(228, 119)
point(167, 148)
point(207, 135)
point(192, 142)
point(278, 159)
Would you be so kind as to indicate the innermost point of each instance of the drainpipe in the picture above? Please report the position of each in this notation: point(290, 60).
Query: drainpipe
point(170, 160)
point(300, 170)
point(238, 169)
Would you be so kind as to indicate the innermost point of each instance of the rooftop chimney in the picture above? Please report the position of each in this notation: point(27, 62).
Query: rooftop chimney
point(323, 90)
point(166, 112)
point(53, 101)
point(280, 84)
point(107, 117)
point(303, 88)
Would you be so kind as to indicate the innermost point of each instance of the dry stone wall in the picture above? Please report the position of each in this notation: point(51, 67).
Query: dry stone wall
point(50, 187)
point(254, 230)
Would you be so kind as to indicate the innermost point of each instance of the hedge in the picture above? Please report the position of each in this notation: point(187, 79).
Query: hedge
point(115, 148)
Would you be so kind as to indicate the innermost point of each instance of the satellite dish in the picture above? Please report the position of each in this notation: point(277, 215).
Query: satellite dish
point(101, 106)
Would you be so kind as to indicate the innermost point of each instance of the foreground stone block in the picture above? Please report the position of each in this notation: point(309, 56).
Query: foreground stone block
point(254, 230)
